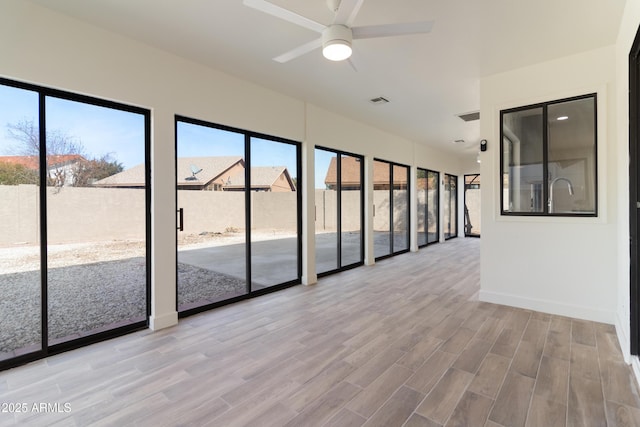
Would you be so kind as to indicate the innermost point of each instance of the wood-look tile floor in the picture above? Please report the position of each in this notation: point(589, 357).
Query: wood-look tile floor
point(402, 343)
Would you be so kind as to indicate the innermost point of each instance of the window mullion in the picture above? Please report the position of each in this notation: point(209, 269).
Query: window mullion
point(545, 160)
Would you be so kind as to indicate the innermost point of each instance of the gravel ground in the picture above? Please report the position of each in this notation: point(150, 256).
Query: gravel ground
point(97, 286)
point(79, 301)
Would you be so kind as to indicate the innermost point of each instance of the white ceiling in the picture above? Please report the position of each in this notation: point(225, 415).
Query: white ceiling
point(428, 78)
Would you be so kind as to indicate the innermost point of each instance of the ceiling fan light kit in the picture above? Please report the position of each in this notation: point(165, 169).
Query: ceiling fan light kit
point(336, 43)
point(337, 37)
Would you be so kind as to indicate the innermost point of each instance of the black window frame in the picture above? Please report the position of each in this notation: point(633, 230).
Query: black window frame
point(339, 153)
point(248, 135)
point(426, 206)
point(391, 206)
point(466, 210)
point(545, 162)
point(47, 349)
point(447, 178)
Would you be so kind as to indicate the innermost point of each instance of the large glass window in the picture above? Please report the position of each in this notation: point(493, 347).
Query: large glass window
point(212, 241)
point(20, 246)
point(427, 187)
point(275, 227)
point(96, 263)
point(433, 207)
point(391, 208)
point(400, 211)
point(472, 205)
point(339, 201)
point(73, 241)
point(548, 158)
point(351, 210)
point(450, 208)
point(239, 214)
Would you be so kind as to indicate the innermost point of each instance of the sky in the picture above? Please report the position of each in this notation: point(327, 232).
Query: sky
point(120, 134)
point(101, 131)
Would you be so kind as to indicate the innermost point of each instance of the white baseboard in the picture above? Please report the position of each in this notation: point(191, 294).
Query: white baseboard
point(625, 345)
point(309, 280)
point(623, 340)
point(551, 307)
point(635, 367)
point(166, 320)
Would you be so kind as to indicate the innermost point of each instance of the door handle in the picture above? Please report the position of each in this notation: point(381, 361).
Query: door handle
point(180, 219)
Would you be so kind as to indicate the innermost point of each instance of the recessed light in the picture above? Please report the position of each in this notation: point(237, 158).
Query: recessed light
point(562, 118)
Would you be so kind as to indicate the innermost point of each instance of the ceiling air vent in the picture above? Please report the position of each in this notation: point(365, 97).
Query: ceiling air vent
point(469, 117)
point(379, 100)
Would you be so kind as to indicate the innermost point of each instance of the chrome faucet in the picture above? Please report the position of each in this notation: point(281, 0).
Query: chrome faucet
point(551, 190)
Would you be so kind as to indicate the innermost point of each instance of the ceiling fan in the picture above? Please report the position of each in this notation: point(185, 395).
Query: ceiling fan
point(337, 37)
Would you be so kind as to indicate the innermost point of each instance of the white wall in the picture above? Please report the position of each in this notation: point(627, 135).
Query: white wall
point(50, 49)
point(566, 266)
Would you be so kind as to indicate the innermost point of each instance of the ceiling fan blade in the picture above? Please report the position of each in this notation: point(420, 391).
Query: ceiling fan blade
point(347, 12)
point(388, 30)
point(352, 63)
point(287, 15)
point(299, 51)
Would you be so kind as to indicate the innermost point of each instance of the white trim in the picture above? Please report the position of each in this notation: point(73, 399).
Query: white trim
point(623, 340)
point(164, 321)
point(635, 368)
point(547, 306)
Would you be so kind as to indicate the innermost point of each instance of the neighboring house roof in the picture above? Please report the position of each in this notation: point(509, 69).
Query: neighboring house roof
point(262, 177)
point(210, 169)
point(33, 162)
point(351, 173)
point(381, 174)
point(193, 172)
point(132, 177)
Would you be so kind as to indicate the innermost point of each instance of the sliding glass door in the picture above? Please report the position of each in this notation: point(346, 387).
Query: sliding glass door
point(211, 244)
point(275, 220)
point(472, 205)
point(450, 208)
point(238, 214)
point(96, 221)
point(391, 208)
point(338, 210)
point(382, 208)
point(433, 207)
point(21, 310)
point(326, 210)
point(400, 211)
point(351, 210)
point(427, 187)
point(74, 240)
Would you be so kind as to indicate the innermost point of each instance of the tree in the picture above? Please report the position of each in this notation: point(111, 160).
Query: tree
point(14, 174)
point(86, 172)
point(27, 134)
point(83, 173)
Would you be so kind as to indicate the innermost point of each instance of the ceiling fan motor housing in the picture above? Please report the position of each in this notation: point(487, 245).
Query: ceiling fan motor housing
point(336, 42)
